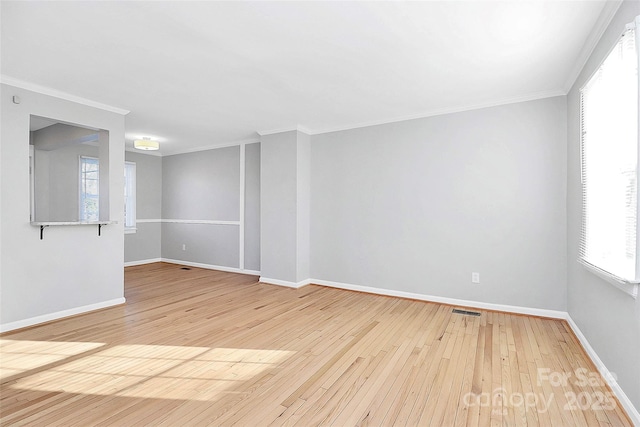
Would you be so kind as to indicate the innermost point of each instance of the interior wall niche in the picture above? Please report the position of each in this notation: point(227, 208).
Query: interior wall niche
point(69, 172)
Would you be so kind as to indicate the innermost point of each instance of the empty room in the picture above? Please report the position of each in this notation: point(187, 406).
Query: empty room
point(303, 213)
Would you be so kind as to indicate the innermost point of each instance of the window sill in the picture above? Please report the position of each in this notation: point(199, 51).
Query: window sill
point(130, 230)
point(48, 223)
point(630, 288)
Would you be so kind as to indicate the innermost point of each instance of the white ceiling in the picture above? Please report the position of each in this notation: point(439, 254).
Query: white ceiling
point(196, 74)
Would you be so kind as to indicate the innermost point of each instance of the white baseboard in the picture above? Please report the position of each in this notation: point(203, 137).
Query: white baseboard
point(285, 283)
point(142, 262)
point(631, 410)
point(192, 264)
point(210, 266)
point(19, 324)
point(444, 300)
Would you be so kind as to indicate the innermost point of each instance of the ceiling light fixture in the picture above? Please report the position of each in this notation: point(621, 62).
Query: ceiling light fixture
point(146, 144)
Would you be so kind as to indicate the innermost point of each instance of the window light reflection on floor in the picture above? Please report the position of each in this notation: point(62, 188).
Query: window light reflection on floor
point(143, 371)
point(17, 357)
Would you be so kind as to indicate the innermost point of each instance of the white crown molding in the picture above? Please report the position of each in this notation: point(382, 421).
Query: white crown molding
point(422, 115)
point(12, 81)
point(436, 112)
point(32, 321)
point(211, 147)
point(274, 131)
point(298, 128)
point(604, 19)
point(449, 110)
point(631, 410)
point(304, 129)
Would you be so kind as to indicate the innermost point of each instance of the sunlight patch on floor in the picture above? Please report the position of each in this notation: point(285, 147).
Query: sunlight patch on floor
point(17, 357)
point(151, 371)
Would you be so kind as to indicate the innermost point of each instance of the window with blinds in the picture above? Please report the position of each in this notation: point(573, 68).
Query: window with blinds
point(89, 189)
point(129, 196)
point(609, 149)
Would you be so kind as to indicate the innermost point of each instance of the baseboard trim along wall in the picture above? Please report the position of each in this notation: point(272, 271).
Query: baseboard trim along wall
point(193, 264)
point(631, 410)
point(142, 262)
point(284, 282)
point(210, 266)
point(58, 315)
point(608, 376)
point(444, 300)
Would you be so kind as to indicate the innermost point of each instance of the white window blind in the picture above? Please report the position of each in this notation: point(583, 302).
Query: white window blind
point(609, 148)
point(89, 189)
point(130, 195)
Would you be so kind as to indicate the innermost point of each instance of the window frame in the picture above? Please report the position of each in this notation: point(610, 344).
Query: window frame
point(628, 286)
point(130, 225)
point(81, 197)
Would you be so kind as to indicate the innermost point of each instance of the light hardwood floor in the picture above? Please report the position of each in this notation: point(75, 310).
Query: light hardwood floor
point(201, 347)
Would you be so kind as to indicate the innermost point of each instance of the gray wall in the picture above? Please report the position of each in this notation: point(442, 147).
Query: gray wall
point(252, 208)
point(609, 318)
point(204, 187)
point(303, 206)
point(211, 244)
point(145, 243)
point(198, 187)
point(44, 277)
point(278, 206)
point(419, 205)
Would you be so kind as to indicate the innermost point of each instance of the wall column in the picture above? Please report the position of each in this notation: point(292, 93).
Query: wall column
point(285, 208)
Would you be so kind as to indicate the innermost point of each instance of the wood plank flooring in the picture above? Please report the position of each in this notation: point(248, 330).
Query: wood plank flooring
point(201, 347)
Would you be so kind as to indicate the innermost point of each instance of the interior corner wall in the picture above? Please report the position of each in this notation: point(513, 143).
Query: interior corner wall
point(72, 267)
point(303, 206)
point(193, 199)
point(200, 191)
point(608, 317)
point(418, 205)
point(252, 207)
point(145, 243)
point(278, 206)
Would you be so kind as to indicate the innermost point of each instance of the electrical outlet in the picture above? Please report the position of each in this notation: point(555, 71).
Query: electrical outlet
point(184, 247)
point(475, 277)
